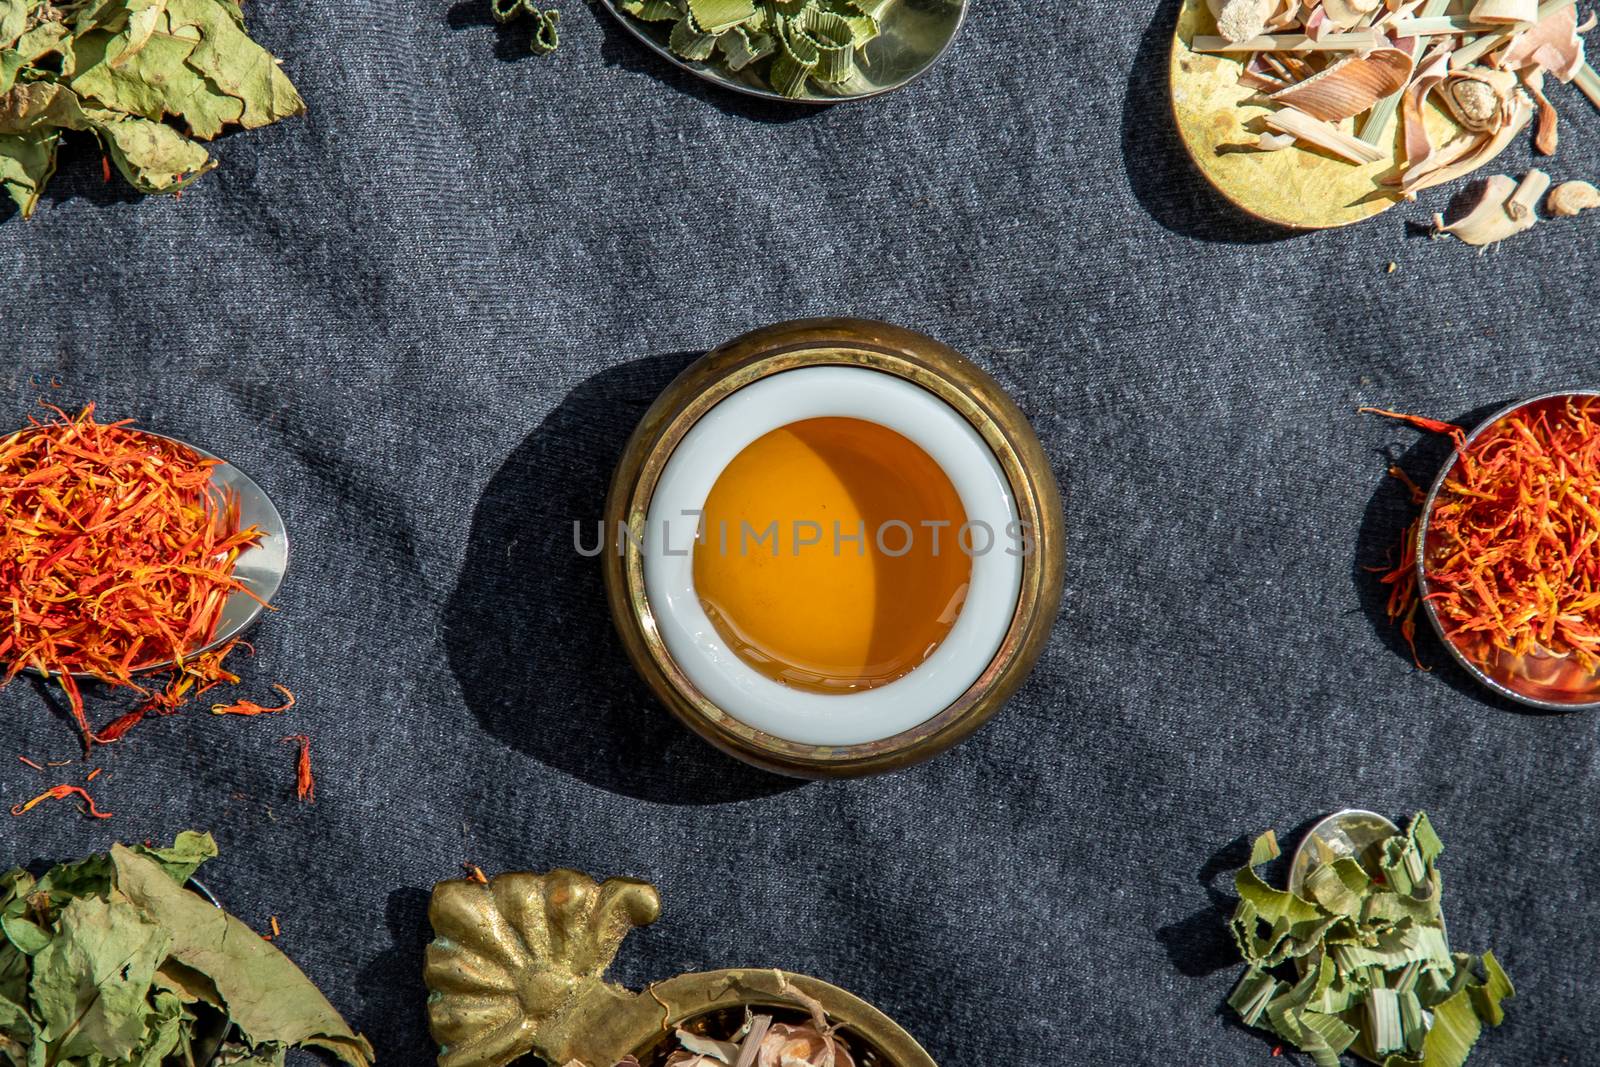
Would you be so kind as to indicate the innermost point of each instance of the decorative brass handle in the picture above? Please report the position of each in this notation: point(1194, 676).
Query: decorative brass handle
point(517, 966)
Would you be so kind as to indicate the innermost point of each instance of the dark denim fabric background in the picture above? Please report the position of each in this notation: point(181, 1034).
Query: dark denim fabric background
point(427, 316)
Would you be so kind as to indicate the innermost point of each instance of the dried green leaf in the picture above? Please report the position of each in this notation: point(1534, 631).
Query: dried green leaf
point(719, 16)
point(13, 20)
point(267, 996)
point(92, 982)
point(26, 163)
point(28, 937)
point(152, 156)
point(124, 69)
point(234, 63)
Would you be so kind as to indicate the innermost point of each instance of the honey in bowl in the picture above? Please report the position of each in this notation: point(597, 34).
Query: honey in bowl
point(838, 547)
point(829, 559)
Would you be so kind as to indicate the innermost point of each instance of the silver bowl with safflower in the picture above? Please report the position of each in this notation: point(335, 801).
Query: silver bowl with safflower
point(913, 36)
point(260, 568)
point(1549, 683)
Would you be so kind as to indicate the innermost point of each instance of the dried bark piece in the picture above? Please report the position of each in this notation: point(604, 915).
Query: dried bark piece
point(1350, 85)
point(1240, 20)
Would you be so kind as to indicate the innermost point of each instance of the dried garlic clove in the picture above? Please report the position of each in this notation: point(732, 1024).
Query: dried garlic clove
point(1523, 202)
point(1350, 85)
point(1241, 20)
point(802, 1046)
point(1488, 222)
point(1274, 142)
point(1570, 198)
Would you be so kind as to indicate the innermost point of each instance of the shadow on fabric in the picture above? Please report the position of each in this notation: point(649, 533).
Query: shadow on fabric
point(79, 176)
point(1158, 167)
point(392, 1014)
point(528, 631)
point(1384, 525)
point(1201, 944)
point(512, 39)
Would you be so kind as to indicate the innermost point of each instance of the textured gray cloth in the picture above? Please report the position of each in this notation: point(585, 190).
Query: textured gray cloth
point(427, 316)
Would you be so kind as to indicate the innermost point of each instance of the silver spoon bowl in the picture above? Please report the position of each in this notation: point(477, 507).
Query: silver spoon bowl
point(914, 35)
point(1348, 833)
point(260, 568)
point(1545, 682)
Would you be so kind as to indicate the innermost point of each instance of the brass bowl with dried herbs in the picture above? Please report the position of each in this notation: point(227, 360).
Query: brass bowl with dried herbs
point(1317, 113)
point(149, 79)
point(518, 966)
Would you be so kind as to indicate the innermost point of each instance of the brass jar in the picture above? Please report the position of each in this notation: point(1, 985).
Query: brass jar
point(891, 350)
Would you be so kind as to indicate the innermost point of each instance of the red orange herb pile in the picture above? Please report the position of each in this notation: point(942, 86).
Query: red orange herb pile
point(117, 554)
point(1512, 566)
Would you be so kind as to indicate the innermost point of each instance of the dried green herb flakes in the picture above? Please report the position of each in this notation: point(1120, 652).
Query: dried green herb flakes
point(1376, 973)
point(806, 40)
point(546, 22)
point(110, 962)
point(150, 79)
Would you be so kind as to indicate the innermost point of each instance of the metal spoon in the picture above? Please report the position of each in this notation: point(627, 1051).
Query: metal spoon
point(1344, 833)
point(914, 34)
point(1513, 677)
point(261, 567)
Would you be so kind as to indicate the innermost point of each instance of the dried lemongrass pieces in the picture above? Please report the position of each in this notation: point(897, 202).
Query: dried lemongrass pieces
point(1524, 202)
point(1505, 209)
point(1322, 135)
point(1572, 198)
point(1505, 11)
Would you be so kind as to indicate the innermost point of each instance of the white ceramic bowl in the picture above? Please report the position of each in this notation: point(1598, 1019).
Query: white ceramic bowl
point(842, 392)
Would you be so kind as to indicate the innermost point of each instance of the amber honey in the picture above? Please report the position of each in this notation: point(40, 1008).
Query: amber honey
point(829, 557)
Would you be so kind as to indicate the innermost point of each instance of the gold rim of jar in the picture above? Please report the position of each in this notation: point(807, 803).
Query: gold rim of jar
point(890, 350)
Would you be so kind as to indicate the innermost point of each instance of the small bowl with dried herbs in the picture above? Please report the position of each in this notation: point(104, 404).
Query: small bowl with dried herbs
point(1504, 557)
point(110, 961)
point(133, 560)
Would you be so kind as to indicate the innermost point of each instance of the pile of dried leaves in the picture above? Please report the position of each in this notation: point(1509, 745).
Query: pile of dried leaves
point(789, 42)
point(110, 961)
point(121, 69)
point(1377, 976)
point(1339, 71)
